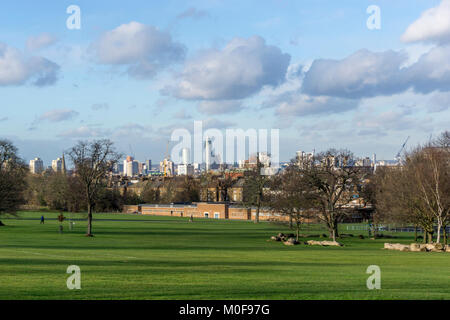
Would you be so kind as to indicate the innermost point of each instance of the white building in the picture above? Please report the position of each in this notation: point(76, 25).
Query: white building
point(185, 156)
point(132, 168)
point(57, 165)
point(167, 167)
point(185, 170)
point(36, 166)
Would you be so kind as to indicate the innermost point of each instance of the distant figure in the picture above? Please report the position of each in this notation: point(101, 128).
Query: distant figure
point(191, 219)
point(42, 219)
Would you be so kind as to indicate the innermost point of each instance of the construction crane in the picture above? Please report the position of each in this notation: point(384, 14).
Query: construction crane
point(398, 157)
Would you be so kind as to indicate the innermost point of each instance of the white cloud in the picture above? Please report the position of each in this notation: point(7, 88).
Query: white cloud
point(432, 26)
point(17, 69)
point(431, 72)
point(58, 115)
point(237, 71)
point(297, 104)
point(362, 74)
point(368, 74)
point(41, 41)
point(143, 49)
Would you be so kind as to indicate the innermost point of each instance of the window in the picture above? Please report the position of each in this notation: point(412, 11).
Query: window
point(216, 215)
point(206, 214)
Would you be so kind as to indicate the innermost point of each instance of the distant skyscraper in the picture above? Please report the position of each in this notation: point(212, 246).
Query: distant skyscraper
point(208, 153)
point(36, 166)
point(57, 165)
point(148, 166)
point(63, 164)
point(185, 156)
point(131, 167)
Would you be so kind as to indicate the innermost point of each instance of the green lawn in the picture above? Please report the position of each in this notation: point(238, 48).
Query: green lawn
point(170, 258)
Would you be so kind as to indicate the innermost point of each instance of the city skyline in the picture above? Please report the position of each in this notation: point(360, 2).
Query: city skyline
point(315, 71)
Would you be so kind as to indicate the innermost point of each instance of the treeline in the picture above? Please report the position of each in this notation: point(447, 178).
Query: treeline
point(58, 191)
point(326, 189)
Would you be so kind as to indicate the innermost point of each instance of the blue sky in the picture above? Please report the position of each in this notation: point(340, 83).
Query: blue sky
point(322, 77)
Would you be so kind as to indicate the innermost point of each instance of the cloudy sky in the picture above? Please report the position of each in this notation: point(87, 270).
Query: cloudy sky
point(311, 68)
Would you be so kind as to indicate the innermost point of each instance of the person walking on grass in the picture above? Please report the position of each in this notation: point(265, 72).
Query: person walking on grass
point(42, 219)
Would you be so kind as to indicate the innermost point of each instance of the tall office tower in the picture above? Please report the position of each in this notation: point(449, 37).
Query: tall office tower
point(208, 153)
point(148, 164)
point(124, 167)
point(36, 166)
point(185, 156)
point(374, 162)
point(63, 164)
point(57, 165)
point(132, 168)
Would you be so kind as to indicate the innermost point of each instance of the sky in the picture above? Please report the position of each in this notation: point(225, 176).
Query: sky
point(325, 73)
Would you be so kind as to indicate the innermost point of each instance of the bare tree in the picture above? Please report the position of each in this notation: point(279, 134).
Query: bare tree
point(431, 166)
point(12, 178)
point(92, 161)
point(291, 196)
point(253, 191)
point(333, 177)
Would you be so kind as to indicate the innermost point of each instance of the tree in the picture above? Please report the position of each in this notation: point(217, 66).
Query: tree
point(291, 196)
point(418, 192)
point(431, 167)
point(92, 161)
point(253, 191)
point(13, 174)
point(332, 176)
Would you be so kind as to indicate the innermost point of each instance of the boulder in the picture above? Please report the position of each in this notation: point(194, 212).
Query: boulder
point(396, 246)
point(417, 247)
point(291, 242)
point(324, 243)
point(447, 248)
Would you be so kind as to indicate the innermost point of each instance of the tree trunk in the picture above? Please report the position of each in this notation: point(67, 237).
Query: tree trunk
point(291, 225)
point(430, 237)
point(415, 233)
point(298, 231)
point(257, 215)
point(438, 236)
point(425, 236)
point(445, 235)
point(89, 226)
point(257, 209)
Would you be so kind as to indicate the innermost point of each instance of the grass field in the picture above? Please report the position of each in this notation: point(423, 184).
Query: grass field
point(170, 258)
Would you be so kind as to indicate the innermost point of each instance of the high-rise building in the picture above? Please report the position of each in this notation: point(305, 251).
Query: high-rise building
point(167, 167)
point(36, 166)
point(185, 170)
point(185, 156)
point(148, 166)
point(57, 165)
point(208, 153)
point(132, 168)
